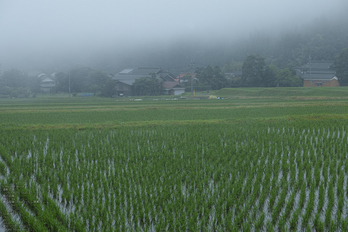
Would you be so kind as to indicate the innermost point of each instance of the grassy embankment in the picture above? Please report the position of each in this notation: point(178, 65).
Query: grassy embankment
point(244, 104)
point(319, 93)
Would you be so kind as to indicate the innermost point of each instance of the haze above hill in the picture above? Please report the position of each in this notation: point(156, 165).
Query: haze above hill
point(112, 35)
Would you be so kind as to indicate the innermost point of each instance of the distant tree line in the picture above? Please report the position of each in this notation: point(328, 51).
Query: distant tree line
point(86, 80)
point(15, 83)
point(278, 57)
point(255, 73)
point(148, 86)
point(341, 66)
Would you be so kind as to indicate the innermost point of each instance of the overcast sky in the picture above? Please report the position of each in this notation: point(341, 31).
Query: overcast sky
point(36, 29)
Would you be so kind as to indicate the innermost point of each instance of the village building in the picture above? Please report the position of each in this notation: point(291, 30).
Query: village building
point(172, 88)
point(126, 78)
point(48, 82)
point(318, 73)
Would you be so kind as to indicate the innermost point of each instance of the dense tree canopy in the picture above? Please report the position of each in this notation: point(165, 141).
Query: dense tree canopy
point(15, 83)
point(210, 78)
point(84, 80)
point(232, 66)
point(287, 78)
point(253, 71)
point(148, 86)
point(270, 76)
point(108, 88)
point(341, 65)
point(15, 78)
point(257, 74)
point(62, 82)
point(79, 81)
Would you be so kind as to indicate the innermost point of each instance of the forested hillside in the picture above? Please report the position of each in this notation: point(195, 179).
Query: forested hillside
point(323, 38)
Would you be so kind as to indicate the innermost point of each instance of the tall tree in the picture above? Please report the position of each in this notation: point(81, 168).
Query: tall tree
point(150, 86)
point(62, 82)
point(287, 78)
point(210, 78)
point(83, 80)
point(341, 65)
point(15, 78)
point(218, 80)
point(98, 79)
point(79, 81)
point(253, 71)
point(232, 66)
point(270, 75)
point(108, 89)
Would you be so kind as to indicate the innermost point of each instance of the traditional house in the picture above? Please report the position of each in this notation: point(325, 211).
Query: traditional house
point(126, 78)
point(172, 88)
point(318, 73)
point(48, 82)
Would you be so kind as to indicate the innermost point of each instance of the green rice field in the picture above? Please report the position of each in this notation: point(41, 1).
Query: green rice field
point(248, 162)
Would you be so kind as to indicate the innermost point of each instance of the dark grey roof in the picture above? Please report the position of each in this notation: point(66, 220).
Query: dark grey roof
point(170, 85)
point(128, 76)
point(317, 70)
point(126, 71)
point(318, 76)
point(321, 72)
point(145, 71)
point(167, 76)
point(318, 65)
point(127, 79)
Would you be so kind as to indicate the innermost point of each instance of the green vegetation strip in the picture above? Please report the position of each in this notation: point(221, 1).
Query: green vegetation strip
point(256, 175)
point(235, 165)
point(284, 92)
point(139, 115)
point(113, 125)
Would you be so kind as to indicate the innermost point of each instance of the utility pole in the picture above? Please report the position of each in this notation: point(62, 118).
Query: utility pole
point(69, 84)
point(2, 82)
point(191, 65)
point(310, 71)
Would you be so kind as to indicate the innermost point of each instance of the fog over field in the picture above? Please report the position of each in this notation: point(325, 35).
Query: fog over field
point(39, 33)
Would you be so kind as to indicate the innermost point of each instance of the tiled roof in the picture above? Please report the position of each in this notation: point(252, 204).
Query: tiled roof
point(187, 75)
point(47, 79)
point(127, 79)
point(170, 84)
point(42, 75)
point(316, 76)
point(317, 70)
point(128, 76)
point(145, 71)
point(126, 71)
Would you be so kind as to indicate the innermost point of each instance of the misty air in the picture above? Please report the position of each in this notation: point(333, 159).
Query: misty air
point(173, 115)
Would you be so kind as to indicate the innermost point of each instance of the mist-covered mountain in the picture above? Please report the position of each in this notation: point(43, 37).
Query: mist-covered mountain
point(111, 36)
point(322, 39)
